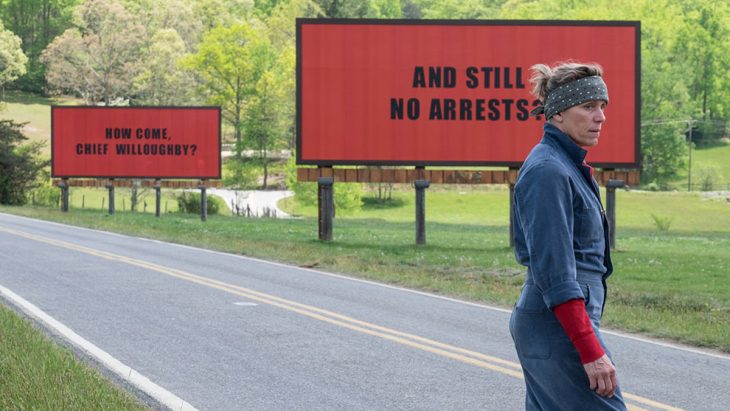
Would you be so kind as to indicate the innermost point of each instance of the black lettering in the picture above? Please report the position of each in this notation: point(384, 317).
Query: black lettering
point(507, 83)
point(471, 75)
point(507, 108)
point(109, 134)
point(396, 109)
point(449, 77)
point(497, 74)
point(79, 149)
point(414, 108)
point(419, 77)
point(122, 149)
point(487, 76)
point(434, 77)
point(465, 109)
point(518, 77)
point(435, 111)
point(139, 134)
point(449, 109)
point(522, 112)
point(535, 104)
point(479, 115)
point(493, 109)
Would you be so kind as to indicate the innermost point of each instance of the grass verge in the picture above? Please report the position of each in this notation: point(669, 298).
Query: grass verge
point(36, 374)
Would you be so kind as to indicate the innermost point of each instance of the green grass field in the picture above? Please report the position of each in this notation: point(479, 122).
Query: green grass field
point(36, 374)
point(709, 164)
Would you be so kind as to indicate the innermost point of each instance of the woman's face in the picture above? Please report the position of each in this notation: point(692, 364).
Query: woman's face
point(582, 122)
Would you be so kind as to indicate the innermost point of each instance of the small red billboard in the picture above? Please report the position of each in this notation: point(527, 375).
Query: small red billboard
point(136, 142)
point(427, 92)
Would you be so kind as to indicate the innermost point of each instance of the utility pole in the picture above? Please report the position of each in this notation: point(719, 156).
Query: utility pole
point(689, 166)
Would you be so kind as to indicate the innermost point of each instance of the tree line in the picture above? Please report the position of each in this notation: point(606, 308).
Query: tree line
point(240, 54)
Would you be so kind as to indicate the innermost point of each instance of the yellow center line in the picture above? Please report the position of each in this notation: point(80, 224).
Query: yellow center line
point(414, 341)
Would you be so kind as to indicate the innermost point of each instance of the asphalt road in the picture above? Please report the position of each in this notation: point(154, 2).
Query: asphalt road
point(224, 332)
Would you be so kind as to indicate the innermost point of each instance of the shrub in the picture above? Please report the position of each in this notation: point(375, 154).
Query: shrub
point(189, 202)
point(662, 223)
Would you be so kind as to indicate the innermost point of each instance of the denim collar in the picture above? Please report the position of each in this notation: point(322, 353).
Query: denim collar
point(555, 135)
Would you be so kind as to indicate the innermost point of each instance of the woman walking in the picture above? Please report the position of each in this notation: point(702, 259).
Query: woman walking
point(561, 236)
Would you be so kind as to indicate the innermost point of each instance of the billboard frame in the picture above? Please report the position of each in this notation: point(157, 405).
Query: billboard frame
point(636, 163)
point(172, 177)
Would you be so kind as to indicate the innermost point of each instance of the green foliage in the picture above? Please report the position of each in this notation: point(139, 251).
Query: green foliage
point(161, 81)
point(347, 196)
point(240, 174)
point(662, 222)
point(37, 23)
point(189, 202)
point(12, 58)
point(98, 59)
point(20, 164)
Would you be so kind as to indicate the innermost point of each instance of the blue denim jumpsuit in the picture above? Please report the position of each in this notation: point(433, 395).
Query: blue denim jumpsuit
point(561, 236)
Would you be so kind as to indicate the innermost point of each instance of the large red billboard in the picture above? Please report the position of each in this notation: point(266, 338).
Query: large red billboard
point(425, 92)
point(136, 142)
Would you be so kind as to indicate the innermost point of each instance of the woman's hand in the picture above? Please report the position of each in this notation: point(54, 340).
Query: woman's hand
point(602, 376)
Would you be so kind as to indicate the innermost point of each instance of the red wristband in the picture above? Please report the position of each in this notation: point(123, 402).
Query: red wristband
point(574, 319)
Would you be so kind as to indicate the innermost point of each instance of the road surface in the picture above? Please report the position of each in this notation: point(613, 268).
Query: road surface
point(224, 332)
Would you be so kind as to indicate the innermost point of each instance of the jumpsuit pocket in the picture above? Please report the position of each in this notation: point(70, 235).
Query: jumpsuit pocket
point(533, 333)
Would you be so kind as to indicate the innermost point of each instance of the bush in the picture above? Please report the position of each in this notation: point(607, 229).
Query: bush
point(20, 164)
point(662, 223)
point(348, 196)
point(240, 174)
point(189, 202)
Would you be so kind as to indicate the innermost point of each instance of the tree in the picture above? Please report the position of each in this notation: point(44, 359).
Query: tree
point(703, 42)
point(12, 59)
point(226, 63)
point(98, 59)
point(162, 81)
point(177, 15)
point(344, 8)
point(20, 164)
point(36, 22)
point(465, 9)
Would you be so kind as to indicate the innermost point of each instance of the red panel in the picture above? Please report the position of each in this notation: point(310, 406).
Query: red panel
point(351, 72)
point(144, 142)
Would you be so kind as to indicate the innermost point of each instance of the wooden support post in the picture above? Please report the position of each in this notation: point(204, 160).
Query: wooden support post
point(110, 187)
point(63, 185)
point(158, 197)
point(611, 187)
point(512, 215)
point(421, 186)
point(326, 203)
point(203, 202)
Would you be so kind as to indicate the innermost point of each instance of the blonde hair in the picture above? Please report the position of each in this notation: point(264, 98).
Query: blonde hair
point(545, 79)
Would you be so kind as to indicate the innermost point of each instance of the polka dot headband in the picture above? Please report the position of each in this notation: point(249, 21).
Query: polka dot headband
point(571, 94)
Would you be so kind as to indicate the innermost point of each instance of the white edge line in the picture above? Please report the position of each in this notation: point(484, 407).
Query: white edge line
point(370, 282)
point(125, 372)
